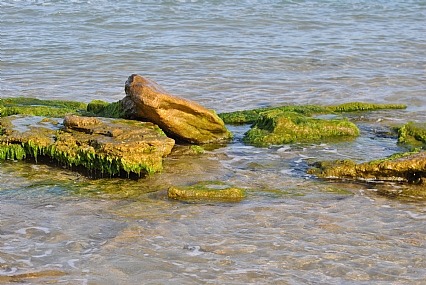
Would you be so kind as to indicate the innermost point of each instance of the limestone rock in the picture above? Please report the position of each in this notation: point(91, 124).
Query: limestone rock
point(107, 145)
point(179, 118)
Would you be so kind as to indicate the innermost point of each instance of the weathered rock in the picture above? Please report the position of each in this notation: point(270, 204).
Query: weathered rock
point(406, 167)
point(207, 190)
point(179, 118)
point(107, 145)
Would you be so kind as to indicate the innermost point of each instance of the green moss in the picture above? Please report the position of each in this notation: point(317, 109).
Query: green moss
point(207, 190)
point(37, 107)
point(412, 134)
point(101, 108)
point(360, 106)
point(276, 127)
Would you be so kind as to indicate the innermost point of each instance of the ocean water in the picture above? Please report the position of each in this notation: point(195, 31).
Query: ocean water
point(58, 226)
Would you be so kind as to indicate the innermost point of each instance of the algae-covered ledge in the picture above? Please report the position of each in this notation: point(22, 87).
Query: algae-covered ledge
point(105, 145)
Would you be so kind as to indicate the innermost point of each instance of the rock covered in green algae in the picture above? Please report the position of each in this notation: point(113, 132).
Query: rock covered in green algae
point(107, 145)
point(251, 116)
point(206, 190)
point(412, 134)
point(180, 118)
point(405, 167)
point(278, 127)
point(291, 124)
point(101, 108)
point(37, 107)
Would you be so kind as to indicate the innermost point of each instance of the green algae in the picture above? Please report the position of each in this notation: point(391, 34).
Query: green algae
point(360, 106)
point(37, 107)
point(206, 190)
point(101, 108)
point(412, 134)
point(277, 127)
point(251, 116)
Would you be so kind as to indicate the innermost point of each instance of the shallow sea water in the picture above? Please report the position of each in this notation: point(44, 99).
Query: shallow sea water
point(57, 226)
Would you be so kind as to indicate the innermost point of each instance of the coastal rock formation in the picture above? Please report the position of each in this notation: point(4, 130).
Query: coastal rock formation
point(105, 145)
point(406, 167)
point(179, 118)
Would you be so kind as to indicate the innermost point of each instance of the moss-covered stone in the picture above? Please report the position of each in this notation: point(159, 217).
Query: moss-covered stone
point(37, 107)
point(406, 167)
point(278, 127)
point(207, 190)
point(107, 145)
point(101, 108)
point(412, 134)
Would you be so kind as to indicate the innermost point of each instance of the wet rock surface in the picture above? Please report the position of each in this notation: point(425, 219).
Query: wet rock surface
point(180, 118)
point(408, 167)
point(109, 146)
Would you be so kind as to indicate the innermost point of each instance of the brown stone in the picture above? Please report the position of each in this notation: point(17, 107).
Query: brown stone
point(177, 117)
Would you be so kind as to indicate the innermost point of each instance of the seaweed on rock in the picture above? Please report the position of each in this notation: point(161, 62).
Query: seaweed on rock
point(405, 167)
point(207, 190)
point(275, 127)
point(37, 107)
point(107, 145)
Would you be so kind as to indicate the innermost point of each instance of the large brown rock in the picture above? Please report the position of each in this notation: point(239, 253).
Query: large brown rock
point(177, 117)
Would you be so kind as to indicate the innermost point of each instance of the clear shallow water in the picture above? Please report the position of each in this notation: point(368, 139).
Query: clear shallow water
point(58, 226)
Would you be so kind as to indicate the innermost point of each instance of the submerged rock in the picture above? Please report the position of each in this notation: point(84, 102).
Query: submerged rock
point(179, 118)
point(207, 190)
point(107, 145)
point(412, 134)
point(405, 167)
point(37, 107)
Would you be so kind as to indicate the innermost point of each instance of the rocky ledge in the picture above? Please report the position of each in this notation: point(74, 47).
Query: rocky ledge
point(404, 167)
point(108, 146)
